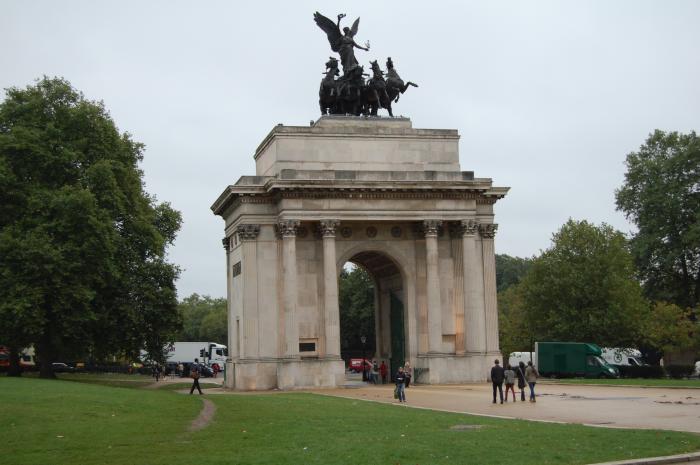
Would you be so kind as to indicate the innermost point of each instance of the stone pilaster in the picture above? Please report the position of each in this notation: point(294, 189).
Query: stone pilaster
point(288, 231)
point(230, 321)
point(430, 228)
point(330, 289)
point(488, 232)
point(248, 235)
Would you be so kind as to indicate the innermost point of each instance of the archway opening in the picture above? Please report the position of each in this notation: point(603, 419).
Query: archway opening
point(372, 321)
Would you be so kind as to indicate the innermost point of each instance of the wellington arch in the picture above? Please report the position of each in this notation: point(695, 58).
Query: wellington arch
point(386, 196)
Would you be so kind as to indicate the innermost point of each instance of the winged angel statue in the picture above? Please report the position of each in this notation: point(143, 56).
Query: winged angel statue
point(343, 43)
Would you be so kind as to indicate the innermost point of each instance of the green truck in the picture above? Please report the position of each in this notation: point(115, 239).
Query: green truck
point(569, 359)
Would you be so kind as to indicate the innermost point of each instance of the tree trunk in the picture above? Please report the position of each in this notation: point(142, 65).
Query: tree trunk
point(46, 358)
point(14, 368)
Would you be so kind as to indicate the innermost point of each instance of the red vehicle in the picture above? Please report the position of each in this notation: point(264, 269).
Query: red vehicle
point(355, 365)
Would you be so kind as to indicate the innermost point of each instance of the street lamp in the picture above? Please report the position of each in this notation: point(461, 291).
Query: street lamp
point(363, 339)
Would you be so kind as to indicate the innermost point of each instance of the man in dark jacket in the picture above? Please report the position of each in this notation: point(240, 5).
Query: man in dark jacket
point(520, 373)
point(497, 376)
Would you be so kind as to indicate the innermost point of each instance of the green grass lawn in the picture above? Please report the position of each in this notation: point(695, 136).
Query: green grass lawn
point(57, 422)
point(680, 383)
point(105, 379)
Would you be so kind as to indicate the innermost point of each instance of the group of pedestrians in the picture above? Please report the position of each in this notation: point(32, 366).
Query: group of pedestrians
point(524, 375)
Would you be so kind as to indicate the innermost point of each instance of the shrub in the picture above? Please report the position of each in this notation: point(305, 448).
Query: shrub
point(679, 371)
point(641, 372)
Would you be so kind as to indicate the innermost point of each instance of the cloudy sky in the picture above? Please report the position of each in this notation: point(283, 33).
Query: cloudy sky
point(548, 97)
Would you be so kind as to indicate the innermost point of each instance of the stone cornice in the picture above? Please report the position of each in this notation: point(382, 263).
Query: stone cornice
point(274, 190)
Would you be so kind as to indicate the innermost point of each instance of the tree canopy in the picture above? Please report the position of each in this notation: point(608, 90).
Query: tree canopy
point(582, 289)
point(203, 319)
point(83, 268)
point(510, 270)
point(661, 196)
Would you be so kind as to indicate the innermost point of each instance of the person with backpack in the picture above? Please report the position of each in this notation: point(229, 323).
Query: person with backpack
point(520, 373)
point(531, 375)
point(509, 376)
point(195, 372)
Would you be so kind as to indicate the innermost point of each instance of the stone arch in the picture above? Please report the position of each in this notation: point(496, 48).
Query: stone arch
point(403, 264)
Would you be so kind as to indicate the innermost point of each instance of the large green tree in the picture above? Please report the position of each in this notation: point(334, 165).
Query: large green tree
point(582, 288)
point(661, 195)
point(356, 302)
point(83, 271)
point(203, 319)
point(510, 270)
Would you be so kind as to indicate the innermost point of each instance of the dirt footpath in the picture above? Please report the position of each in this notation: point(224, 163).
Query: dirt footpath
point(619, 407)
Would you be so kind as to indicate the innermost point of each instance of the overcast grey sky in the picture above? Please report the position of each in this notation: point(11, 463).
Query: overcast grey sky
point(548, 97)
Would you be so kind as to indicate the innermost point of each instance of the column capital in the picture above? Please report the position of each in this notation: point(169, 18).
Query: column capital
point(288, 228)
point(248, 232)
point(464, 228)
point(328, 227)
point(226, 242)
point(488, 230)
point(430, 227)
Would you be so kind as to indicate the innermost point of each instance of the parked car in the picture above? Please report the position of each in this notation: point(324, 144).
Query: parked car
point(60, 367)
point(355, 364)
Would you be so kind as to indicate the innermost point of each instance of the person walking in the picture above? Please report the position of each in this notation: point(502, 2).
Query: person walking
point(195, 372)
point(383, 371)
point(497, 377)
point(520, 373)
point(375, 372)
point(531, 375)
point(400, 380)
point(509, 376)
point(409, 373)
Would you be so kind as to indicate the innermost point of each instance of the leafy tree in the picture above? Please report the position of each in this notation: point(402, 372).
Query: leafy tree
point(670, 329)
point(82, 246)
point(510, 270)
point(583, 289)
point(661, 195)
point(515, 333)
point(356, 301)
point(204, 319)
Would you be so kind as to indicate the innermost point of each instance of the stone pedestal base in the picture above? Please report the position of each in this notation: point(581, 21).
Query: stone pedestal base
point(454, 369)
point(257, 375)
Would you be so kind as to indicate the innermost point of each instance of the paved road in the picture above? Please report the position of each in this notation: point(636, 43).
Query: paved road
point(604, 406)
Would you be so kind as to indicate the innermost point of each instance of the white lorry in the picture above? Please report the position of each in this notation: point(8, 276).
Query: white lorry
point(208, 353)
point(516, 357)
point(623, 356)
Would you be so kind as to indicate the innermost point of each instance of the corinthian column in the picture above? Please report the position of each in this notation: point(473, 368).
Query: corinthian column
point(248, 235)
point(430, 228)
point(488, 231)
point(330, 289)
point(288, 231)
point(473, 312)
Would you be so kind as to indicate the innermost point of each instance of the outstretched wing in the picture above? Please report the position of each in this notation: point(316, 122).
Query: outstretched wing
point(331, 29)
point(355, 27)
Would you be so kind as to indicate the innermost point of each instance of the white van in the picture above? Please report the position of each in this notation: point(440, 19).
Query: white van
point(623, 356)
point(516, 357)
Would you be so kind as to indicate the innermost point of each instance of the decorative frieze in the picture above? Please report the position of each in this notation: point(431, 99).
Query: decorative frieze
point(328, 228)
point(396, 231)
point(288, 228)
point(371, 232)
point(488, 230)
point(248, 232)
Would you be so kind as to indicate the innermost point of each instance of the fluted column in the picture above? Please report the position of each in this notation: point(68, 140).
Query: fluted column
point(430, 228)
point(248, 235)
point(330, 289)
point(473, 312)
point(288, 231)
point(488, 231)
